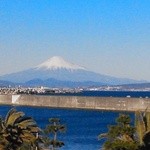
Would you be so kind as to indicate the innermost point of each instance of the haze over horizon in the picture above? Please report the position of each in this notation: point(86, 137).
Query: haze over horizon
point(108, 37)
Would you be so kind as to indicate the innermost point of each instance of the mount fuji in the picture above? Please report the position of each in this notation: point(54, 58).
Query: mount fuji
point(58, 72)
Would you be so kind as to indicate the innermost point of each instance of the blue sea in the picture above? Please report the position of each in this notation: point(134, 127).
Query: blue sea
point(83, 126)
point(134, 94)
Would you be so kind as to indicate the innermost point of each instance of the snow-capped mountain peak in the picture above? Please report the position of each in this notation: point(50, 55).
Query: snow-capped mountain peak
point(58, 62)
point(57, 70)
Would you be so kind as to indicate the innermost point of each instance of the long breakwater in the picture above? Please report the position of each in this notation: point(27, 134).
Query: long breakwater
point(78, 102)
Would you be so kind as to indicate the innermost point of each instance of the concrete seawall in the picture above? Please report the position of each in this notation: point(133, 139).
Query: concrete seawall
point(77, 102)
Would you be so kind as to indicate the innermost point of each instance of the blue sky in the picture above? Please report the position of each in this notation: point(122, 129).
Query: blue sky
point(106, 36)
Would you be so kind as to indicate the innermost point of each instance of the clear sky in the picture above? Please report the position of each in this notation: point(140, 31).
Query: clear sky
point(106, 36)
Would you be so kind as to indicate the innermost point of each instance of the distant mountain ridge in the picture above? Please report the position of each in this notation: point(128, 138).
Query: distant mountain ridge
point(137, 85)
point(6, 83)
point(58, 69)
point(60, 84)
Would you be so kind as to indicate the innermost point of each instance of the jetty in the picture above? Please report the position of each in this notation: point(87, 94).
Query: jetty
point(78, 102)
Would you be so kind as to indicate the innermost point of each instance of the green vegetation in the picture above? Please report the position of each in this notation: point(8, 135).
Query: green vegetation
point(121, 135)
point(53, 128)
point(124, 136)
point(18, 132)
point(142, 122)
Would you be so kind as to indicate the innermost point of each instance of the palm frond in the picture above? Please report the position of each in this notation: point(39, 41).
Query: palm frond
point(148, 120)
point(27, 136)
point(140, 126)
point(26, 122)
point(103, 135)
point(11, 111)
point(12, 117)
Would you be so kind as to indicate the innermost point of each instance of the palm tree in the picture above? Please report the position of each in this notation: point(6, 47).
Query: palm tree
point(53, 128)
point(142, 122)
point(17, 130)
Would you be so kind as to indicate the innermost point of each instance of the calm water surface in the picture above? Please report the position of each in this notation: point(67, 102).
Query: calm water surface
point(137, 94)
point(83, 126)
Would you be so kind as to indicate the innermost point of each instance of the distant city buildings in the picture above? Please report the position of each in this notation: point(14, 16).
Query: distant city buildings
point(36, 90)
point(47, 90)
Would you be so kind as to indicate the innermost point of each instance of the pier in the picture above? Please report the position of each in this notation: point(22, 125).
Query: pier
point(78, 102)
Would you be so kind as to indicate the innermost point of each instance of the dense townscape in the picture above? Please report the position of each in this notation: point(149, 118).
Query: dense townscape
point(36, 90)
point(48, 90)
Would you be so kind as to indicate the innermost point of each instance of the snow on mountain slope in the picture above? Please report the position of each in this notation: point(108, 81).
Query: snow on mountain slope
point(57, 62)
point(59, 69)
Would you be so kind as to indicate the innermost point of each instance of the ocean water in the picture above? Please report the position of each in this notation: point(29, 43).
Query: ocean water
point(83, 126)
point(137, 94)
